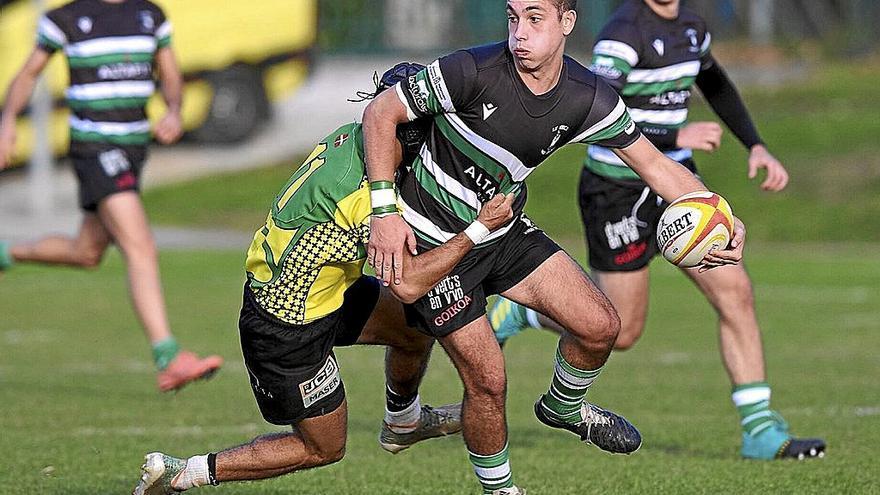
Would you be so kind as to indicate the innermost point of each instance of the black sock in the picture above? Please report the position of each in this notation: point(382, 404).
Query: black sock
point(212, 469)
point(395, 402)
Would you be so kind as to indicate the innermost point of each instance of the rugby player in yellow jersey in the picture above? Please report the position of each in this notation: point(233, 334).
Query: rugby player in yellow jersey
point(305, 294)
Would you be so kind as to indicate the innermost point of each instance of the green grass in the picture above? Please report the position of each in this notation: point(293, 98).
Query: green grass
point(824, 130)
point(78, 405)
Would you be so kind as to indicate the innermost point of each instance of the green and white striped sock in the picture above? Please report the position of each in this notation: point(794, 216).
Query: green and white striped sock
point(164, 352)
point(6, 259)
point(493, 471)
point(567, 390)
point(752, 401)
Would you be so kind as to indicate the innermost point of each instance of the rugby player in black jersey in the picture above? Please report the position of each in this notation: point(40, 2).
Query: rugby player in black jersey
point(497, 112)
point(652, 52)
point(111, 47)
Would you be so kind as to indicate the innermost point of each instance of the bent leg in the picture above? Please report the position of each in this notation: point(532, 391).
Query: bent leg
point(628, 293)
point(123, 215)
point(729, 290)
point(85, 250)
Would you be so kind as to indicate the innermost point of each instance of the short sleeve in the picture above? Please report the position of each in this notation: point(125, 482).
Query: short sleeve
point(706, 60)
point(616, 52)
point(163, 30)
point(608, 123)
point(50, 37)
point(444, 86)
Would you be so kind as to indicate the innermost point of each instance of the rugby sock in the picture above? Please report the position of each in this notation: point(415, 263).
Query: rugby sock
point(200, 470)
point(6, 260)
point(402, 410)
point(493, 471)
point(752, 401)
point(567, 390)
point(164, 352)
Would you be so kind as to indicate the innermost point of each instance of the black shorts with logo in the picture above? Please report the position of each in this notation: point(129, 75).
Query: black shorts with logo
point(460, 297)
point(620, 221)
point(292, 368)
point(108, 172)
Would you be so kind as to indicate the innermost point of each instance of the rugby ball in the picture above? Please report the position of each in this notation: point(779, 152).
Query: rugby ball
point(693, 225)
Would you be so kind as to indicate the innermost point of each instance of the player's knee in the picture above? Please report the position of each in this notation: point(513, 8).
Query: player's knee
point(488, 387)
point(90, 258)
point(327, 453)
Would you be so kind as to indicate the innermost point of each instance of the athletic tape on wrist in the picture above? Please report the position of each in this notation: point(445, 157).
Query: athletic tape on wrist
point(476, 232)
point(383, 197)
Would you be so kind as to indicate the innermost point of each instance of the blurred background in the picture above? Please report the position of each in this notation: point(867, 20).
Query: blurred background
point(266, 79)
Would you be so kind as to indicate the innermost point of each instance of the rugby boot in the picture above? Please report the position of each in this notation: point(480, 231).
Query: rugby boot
point(158, 473)
point(514, 490)
point(507, 319)
point(775, 442)
point(604, 429)
point(433, 422)
point(185, 368)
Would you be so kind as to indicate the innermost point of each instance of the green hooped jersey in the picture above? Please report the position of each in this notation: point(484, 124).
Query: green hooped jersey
point(110, 50)
point(489, 132)
point(313, 245)
point(653, 63)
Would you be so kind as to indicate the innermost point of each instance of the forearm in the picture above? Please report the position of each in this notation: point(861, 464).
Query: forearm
point(171, 79)
point(725, 100)
point(17, 97)
point(423, 272)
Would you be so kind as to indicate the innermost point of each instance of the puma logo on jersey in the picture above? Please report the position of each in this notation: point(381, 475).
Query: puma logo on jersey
point(659, 46)
point(488, 110)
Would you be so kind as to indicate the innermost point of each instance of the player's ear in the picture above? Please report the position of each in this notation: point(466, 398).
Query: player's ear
point(569, 17)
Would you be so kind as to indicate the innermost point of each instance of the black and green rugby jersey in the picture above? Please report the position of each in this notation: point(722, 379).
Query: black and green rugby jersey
point(313, 245)
point(489, 132)
point(653, 63)
point(110, 49)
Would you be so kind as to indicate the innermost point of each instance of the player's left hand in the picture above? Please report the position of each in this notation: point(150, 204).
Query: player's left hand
point(777, 176)
point(730, 256)
point(169, 129)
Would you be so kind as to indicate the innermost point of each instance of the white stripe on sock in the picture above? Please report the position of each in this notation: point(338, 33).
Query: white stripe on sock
point(750, 396)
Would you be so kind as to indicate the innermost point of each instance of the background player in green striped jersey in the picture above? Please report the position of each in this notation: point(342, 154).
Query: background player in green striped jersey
point(652, 52)
point(497, 112)
point(111, 49)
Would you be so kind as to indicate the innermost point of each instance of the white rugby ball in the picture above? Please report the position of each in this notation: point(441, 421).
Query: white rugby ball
point(693, 225)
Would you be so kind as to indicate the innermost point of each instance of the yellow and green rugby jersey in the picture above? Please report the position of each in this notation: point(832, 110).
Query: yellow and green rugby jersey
point(312, 247)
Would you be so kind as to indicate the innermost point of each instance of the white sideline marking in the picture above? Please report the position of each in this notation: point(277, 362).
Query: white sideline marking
point(672, 358)
point(18, 337)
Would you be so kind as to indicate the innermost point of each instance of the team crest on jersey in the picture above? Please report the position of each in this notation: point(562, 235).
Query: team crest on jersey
point(691, 33)
point(340, 140)
point(659, 46)
point(147, 21)
point(84, 24)
point(559, 129)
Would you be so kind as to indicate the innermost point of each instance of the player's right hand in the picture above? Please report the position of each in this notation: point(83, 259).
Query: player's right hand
point(389, 236)
point(497, 211)
point(7, 145)
point(703, 136)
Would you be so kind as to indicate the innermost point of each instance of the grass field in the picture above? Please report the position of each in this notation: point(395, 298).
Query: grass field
point(78, 406)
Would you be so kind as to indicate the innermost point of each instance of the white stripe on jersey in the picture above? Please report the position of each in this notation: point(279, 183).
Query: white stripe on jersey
point(609, 119)
point(448, 182)
point(398, 88)
point(663, 74)
point(661, 117)
point(115, 89)
point(51, 31)
point(427, 227)
point(617, 49)
point(706, 42)
point(438, 84)
point(109, 128)
point(112, 45)
point(517, 170)
point(164, 30)
point(605, 155)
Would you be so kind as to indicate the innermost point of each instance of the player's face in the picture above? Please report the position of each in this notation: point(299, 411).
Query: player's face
point(535, 32)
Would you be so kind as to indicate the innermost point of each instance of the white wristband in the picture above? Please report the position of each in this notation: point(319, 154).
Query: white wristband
point(476, 232)
point(383, 197)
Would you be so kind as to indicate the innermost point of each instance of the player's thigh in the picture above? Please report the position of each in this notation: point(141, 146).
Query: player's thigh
point(124, 217)
point(628, 292)
point(477, 356)
point(728, 288)
point(385, 323)
point(560, 290)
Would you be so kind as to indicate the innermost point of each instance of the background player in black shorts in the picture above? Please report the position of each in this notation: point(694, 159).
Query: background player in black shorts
point(652, 52)
point(111, 49)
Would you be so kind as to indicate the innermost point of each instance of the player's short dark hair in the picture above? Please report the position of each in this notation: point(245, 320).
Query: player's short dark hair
point(565, 5)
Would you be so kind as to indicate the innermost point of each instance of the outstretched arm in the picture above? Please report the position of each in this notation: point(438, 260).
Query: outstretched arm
point(17, 97)
point(423, 272)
